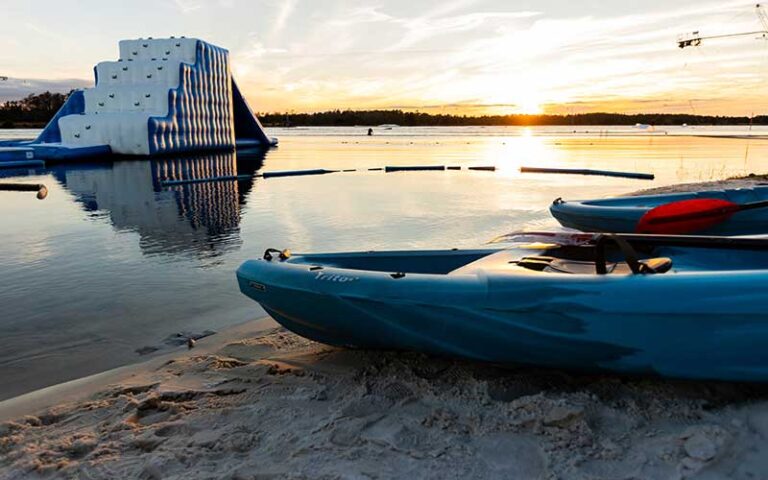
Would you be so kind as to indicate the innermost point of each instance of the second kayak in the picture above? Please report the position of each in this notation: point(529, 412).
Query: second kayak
point(622, 214)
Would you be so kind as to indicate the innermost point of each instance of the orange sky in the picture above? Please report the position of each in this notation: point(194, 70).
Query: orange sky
point(451, 56)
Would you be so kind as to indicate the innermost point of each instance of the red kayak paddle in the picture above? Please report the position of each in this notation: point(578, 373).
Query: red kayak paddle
point(689, 216)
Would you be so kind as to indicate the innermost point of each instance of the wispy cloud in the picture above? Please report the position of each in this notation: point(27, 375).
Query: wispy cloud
point(362, 15)
point(429, 26)
point(285, 11)
point(187, 6)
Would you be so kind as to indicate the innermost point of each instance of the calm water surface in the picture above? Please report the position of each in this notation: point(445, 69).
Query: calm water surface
point(112, 261)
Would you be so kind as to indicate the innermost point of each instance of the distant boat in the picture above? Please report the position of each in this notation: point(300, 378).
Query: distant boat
point(642, 126)
point(388, 126)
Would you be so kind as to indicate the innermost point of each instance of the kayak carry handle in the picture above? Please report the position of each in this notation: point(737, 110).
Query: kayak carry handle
point(281, 254)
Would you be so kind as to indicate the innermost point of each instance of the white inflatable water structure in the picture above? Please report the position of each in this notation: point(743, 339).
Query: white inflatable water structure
point(161, 96)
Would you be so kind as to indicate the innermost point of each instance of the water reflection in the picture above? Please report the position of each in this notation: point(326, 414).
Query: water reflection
point(112, 261)
point(201, 219)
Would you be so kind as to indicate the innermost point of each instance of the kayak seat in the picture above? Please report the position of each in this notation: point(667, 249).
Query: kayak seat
point(656, 265)
point(581, 267)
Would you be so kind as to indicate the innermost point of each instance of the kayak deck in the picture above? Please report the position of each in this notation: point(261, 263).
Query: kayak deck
point(684, 254)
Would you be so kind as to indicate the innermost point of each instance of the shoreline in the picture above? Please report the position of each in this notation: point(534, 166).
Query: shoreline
point(255, 401)
point(80, 388)
point(747, 181)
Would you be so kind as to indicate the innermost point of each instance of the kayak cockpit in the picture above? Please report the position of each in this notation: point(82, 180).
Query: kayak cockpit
point(559, 253)
point(435, 262)
point(573, 259)
point(547, 264)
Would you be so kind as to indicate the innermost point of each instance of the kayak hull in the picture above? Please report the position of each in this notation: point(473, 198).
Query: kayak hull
point(622, 214)
point(695, 325)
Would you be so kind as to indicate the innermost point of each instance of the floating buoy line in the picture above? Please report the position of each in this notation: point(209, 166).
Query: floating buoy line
point(408, 168)
point(323, 171)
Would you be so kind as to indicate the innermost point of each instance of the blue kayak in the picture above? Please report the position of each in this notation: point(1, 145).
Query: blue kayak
point(676, 306)
point(622, 214)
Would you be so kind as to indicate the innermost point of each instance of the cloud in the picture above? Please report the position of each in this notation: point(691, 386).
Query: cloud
point(187, 6)
point(432, 54)
point(430, 26)
point(258, 50)
point(287, 8)
point(360, 16)
point(15, 89)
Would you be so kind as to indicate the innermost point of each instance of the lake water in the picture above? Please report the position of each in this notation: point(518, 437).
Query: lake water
point(112, 261)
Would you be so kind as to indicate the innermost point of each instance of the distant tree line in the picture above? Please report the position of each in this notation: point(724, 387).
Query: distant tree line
point(417, 119)
point(37, 109)
point(34, 110)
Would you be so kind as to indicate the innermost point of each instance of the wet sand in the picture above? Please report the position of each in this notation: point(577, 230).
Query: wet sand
point(260, 402)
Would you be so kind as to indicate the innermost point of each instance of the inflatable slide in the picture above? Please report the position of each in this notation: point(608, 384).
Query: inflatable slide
point(162, 96)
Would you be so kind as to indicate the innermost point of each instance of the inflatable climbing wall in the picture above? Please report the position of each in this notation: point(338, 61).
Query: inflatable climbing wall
point(161, 96)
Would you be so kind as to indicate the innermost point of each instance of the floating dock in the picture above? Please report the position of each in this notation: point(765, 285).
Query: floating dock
point(162, 96)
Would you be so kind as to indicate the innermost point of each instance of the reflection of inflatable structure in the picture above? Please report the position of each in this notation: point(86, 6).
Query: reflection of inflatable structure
point(163, 96)
point(201, 218)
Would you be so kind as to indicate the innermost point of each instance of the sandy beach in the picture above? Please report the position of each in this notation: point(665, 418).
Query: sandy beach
point(278, 406)
point(259, 402)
